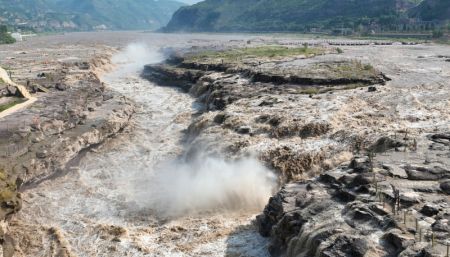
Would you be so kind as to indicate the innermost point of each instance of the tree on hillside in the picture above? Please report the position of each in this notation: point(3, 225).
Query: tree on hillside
point(5, 37)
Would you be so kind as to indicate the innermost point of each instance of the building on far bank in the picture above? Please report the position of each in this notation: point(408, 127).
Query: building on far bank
point(17, 36)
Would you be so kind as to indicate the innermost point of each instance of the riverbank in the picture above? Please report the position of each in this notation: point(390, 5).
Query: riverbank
point(70, 111)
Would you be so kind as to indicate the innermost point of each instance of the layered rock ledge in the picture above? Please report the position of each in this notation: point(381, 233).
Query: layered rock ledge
point(317, 119)
point(252, 98)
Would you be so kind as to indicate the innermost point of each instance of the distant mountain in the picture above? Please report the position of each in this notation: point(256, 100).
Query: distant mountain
point(286, 15)
point(88, 14)
point(431, 10)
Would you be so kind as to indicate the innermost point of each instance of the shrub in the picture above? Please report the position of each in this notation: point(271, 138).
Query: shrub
point(368, 67)
point(5, 38)
point(339, 50)
point(438, 34)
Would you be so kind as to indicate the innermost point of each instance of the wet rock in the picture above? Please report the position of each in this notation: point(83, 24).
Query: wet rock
point(83, 65)
point(445, 136)
point(383, 144)
point(441, 225)
point(429, 252)
point(107, 97)
point(398, 239)
point(442, 139)
point(408, 200)
point(42, 154)
point(445, 186)
point(426, 173)
point(365, 179)
point(429, 210)
point(220, 118)
point(172, 76)
point(347, 179)
point(345, 195)
point(346, 246)
point(372, 89)
point(395, 171)
point(60, 86)
point(12, 90)
point(289, 226)
point(360, 164)
point(331, 177)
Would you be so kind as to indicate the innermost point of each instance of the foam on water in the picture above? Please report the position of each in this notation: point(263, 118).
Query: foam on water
point(134, 180)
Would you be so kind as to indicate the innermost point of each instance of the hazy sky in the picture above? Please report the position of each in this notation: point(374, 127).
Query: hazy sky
point(190, 1)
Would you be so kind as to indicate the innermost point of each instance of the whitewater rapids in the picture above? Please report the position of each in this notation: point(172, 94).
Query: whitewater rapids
point(133, 196)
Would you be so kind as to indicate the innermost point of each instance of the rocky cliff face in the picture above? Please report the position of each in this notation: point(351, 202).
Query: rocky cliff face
point(373, 206)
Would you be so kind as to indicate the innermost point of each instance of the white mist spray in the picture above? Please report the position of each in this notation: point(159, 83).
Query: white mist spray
point(200, 185)
point(206, 184)
point(134, 56)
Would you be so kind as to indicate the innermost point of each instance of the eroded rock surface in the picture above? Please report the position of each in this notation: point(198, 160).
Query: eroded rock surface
point(304, 121)
point(354, 210)
point(73, 112)
point(253, 102)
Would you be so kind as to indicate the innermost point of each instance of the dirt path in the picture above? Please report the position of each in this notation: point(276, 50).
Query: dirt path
point(23, 91)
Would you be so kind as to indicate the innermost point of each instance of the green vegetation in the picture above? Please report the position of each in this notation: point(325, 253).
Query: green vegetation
point(5, 37)
point(5, 195)
point(311, 91)
point(6, 106)
point(430, 10)
point(3, 175)
point(257, 52)
point(348, 69)
point(368, 67)
point(338, 17)
point(438, 34)
point(8, 188)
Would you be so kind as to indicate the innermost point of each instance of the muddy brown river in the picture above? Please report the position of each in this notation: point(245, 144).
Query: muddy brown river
point(131, 197)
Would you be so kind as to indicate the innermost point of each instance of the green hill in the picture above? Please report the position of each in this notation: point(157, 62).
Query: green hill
point(88, 14)
point(431, 10)
point(287, 15)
